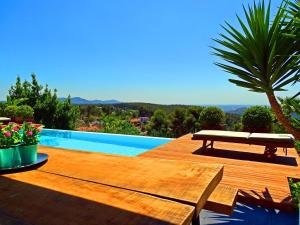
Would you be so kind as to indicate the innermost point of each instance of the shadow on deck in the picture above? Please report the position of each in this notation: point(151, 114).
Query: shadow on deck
point(249, 156)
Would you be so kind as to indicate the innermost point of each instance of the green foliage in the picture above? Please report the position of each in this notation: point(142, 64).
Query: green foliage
point(9, 136)
point(233, 122)
point(295, 190)
point(146, 109)
point(11, 111)
point(159, 124)
point(177, 122)
point(260, 54)
point(116, 125)
point(192, 119)
point(185, 120)
point(2, 108)
point(293, 24)
point(212, 118)
point(257, 119)
point(48, 110)
point(297, 146)
point(291, 108)
point(66, 115)
point(25, 112)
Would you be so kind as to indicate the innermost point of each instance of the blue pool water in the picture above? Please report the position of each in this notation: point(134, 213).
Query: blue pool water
point(100, 142)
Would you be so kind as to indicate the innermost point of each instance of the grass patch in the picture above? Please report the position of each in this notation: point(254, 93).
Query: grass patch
point(295, 190)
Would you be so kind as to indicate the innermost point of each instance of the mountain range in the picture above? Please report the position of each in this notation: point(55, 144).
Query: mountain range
point(235, 109)
point(82, 101)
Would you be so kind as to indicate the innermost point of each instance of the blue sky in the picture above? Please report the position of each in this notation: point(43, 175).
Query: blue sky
point(130, 50)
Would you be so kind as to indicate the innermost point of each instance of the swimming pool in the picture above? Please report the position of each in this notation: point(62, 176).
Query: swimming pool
point(100, 142)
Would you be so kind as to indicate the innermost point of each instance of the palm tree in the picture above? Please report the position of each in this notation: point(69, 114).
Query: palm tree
point(261, 56)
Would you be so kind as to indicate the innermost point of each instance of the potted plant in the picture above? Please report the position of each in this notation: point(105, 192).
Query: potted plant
point(9, 140)
point(30, 139)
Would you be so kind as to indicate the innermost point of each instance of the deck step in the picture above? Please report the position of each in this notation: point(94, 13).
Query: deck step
point(222, 200)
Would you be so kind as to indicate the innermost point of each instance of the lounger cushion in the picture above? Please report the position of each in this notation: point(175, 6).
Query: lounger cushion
point(282, 138)
point(221, 134)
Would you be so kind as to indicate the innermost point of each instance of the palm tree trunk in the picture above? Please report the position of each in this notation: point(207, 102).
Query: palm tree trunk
point(281, 117)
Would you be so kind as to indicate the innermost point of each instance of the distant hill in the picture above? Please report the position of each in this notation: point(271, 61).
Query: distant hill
point(82, 101)
point(234, 109)
point(238, 111)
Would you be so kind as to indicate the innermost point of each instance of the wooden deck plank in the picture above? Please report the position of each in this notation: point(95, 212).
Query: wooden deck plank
point(186, 182)
point(258, 181)
point(222, 200)
point(41, 198)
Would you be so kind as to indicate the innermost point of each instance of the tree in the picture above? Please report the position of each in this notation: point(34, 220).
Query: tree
point(159, 124)
point(48, 110)
point(192, 119)
point(261, 55)
point(177, 122)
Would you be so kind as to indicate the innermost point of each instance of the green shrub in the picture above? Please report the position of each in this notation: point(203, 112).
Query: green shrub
point(116, 125)
point(297, 146)
point(11, 111)
point(212, 118)
point(25, 112)
point(257, 119)
point(295, 190)
point(2, 108)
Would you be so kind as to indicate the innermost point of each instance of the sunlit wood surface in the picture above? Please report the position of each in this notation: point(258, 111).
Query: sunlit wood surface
point(41, 198)
point(259, 181)
point(78, 187)
point(186, 182)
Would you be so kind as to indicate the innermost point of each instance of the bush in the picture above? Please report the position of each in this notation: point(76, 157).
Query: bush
point(11, 111)
point(25, 112)
point(212, 118)
point(114, 124)
point(2, 108)
point(257, 119)
point(295, 190)
point(297, 146)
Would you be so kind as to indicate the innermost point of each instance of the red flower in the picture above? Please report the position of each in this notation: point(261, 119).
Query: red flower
point(29, 133)
point(16, 129)
point(7, 134)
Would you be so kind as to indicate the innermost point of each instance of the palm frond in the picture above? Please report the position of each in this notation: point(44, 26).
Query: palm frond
point(259, 54)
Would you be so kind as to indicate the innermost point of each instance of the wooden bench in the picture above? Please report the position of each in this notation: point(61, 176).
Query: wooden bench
point(180, 181)
point(40, 198)
point(222, 200)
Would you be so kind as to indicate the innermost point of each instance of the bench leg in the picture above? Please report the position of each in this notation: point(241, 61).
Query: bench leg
point(196, 220)
point(204, 144)
point(285, 150)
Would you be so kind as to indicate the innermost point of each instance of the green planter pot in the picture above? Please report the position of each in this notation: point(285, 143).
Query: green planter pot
point(28, 154)
point(10, 158)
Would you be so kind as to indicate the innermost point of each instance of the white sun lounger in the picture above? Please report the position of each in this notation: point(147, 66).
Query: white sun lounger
point(270, 141)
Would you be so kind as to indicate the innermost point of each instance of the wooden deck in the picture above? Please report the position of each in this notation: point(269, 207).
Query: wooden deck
point(259, 182)
point(80, 187)
point(41, 198)
point(180, 181)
